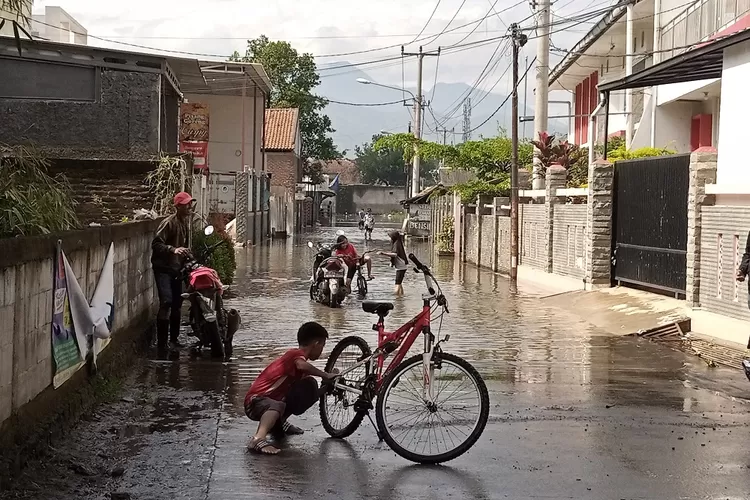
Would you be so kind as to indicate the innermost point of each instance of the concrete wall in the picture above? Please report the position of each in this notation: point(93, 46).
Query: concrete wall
point(381, 199)
point(531, 222)
point(673, 122)
point(723, 235)
point(121, 123)
point(26, 298)
point(225, 117)
point(569, 240)
point(732, 164)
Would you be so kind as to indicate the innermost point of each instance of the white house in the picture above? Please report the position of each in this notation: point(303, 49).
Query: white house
point(56, 25)
point(683, 115)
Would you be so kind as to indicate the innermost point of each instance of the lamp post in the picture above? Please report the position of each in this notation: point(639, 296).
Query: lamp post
point(417, 129)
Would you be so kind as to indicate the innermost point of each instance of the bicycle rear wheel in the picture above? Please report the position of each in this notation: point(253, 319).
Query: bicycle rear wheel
point(433, 432)
point(361, 285)
point(337, 412)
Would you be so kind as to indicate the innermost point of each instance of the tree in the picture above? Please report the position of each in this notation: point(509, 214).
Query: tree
point(293, 77)
point(387, 165)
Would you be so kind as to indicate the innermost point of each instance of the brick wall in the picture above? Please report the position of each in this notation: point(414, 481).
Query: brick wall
point(106, 190)
point(26, 301)
point(284, 168)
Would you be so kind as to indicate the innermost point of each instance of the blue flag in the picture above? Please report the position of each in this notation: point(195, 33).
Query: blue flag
point(334, 185)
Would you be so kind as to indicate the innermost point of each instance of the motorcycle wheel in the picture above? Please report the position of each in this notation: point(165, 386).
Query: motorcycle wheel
point(312, 292)
point(217, 346)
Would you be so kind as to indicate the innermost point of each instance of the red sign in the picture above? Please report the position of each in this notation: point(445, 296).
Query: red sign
point(199, 150)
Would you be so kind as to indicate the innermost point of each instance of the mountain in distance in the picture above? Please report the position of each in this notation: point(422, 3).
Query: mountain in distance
point(355, 125)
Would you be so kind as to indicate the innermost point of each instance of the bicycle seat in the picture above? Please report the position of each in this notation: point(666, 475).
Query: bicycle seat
point(375, 307)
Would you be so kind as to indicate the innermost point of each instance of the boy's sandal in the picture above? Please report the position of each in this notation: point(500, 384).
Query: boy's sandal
point(259, 446)
point(291, 430)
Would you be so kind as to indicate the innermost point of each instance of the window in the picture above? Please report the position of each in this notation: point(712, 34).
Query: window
point(26, 79)
point(608, 65)
point(643, 39)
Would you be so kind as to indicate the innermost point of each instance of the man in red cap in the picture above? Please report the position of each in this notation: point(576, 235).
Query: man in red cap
point(170, 245)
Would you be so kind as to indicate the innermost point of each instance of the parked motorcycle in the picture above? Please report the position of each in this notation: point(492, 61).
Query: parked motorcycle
point(210, 322)
point(328, 280)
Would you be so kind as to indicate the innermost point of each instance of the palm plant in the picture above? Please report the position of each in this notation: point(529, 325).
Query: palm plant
point(18, 13)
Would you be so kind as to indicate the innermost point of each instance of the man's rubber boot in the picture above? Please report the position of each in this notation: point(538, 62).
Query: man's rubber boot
point(174, 329)
point(162, 333)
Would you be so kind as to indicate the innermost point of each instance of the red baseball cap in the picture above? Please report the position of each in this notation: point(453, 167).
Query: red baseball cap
point(183, 198)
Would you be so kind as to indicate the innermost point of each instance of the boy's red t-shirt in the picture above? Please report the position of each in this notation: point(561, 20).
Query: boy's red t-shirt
point(349, 254)
point(274, 381)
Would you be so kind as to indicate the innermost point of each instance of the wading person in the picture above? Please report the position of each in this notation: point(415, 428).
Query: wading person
point(286, 387)
point(171, 244)
point(399, 261)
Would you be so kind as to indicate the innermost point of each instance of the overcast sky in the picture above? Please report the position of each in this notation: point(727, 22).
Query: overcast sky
point(322, 27)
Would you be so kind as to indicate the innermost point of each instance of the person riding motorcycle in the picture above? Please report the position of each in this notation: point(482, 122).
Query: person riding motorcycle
point(349, 254)
point(170, 245)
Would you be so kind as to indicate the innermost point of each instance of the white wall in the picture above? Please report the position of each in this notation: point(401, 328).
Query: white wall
point(671, 9)
point(732, 162)
point(673, 123)
point(225, 131)
point(674, 91)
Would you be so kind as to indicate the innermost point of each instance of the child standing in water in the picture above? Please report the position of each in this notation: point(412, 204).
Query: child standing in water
point(399, 261)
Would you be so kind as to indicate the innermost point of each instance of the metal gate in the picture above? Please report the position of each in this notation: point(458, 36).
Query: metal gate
point(650, 222)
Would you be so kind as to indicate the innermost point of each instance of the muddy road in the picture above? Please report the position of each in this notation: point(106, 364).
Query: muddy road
point(575, 413)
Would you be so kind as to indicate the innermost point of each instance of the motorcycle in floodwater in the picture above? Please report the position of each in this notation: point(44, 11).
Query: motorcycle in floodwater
point(328, 280)
point(210, 322)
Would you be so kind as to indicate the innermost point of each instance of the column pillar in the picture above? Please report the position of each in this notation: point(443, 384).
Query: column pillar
point(702, 172)
point(555, 179)
point(599, 225)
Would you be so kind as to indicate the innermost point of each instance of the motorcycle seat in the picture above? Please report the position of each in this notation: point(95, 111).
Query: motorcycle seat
point(376, 307)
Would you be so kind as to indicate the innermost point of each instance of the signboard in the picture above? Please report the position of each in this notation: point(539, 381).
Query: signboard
point(420, 220)
point(193, 122)
point(199, 150)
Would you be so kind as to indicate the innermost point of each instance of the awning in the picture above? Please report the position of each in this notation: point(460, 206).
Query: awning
point(422, 197)
point(701, 63)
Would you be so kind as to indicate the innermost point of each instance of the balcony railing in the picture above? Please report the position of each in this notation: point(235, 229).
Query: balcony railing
point(698, 22)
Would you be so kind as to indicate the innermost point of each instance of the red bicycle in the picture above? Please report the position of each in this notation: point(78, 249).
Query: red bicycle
point(430, 408)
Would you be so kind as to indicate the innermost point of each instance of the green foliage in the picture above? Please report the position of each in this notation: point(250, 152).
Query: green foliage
point(293, 77)
point(446, 235)
point(578, 171)
point(386, 165)
point(489, 158)
point(31, 201)
point(166, 180)
point(470, 190)
point(628, 154)
point(222, 260)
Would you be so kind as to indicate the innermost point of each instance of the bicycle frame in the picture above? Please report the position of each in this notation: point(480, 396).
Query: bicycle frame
point(404, 338)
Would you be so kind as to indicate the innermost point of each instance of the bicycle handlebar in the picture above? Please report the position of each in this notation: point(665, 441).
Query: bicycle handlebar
point(416, 262)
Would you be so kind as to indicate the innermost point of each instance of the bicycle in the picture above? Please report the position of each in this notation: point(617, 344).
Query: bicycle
point(425, 377)
point(361, 280)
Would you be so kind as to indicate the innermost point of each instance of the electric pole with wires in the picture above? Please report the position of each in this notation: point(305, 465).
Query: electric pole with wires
point(418, 108)
point(519, 40)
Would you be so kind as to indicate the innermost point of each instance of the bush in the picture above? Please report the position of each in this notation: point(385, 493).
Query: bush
point(446, 235)
point(31, 201)
point(470, 190)
point(628, 154)
point(222, 260)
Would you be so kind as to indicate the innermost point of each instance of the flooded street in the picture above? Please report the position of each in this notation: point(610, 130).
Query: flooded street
point(575, 413)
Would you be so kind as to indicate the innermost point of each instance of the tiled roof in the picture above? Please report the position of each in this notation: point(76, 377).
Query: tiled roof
point(281, 129)
point(346, 169)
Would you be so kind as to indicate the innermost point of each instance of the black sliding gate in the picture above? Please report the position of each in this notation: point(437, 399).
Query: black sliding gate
point(650, 222)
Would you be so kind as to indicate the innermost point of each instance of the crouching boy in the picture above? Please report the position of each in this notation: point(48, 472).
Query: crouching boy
point(286, 387)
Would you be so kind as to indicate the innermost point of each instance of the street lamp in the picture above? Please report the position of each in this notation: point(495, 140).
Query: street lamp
point(417, 131)
point(365, 81)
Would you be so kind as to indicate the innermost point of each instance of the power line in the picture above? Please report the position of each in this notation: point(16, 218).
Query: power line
point(501, 104)
point(426, 24)
point(492, 9)
point(463, 2)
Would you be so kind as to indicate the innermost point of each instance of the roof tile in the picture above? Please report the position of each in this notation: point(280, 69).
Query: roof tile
point(281, 128)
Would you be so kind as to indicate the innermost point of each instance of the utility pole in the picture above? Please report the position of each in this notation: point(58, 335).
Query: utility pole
point(519, 40)
point(418, 104)
point(467, 120)
point(542, 82)
point(525, 94)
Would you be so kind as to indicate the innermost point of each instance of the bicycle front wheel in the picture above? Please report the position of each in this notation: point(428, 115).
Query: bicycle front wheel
point(438, 430)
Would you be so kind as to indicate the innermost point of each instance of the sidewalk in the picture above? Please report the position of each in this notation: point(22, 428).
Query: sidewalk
point(625, 311)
